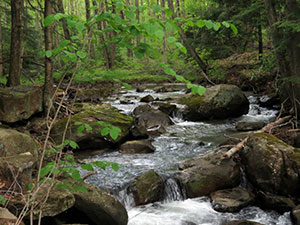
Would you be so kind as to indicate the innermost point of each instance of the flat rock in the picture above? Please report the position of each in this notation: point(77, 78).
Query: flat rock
point(137, 147)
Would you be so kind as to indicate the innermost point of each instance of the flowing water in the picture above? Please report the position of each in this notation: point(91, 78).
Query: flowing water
point(182, 140)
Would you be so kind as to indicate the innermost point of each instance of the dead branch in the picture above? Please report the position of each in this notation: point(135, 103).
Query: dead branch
point(89, 174)
point(265, 129)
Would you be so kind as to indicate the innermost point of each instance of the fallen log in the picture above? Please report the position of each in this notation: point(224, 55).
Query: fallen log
point(265, 129)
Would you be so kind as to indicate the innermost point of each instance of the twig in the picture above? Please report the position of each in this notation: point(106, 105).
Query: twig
point(89, 174)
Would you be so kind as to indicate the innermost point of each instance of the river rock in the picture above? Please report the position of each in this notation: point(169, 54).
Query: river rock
point(141, 109)
point(147, 98)
point(208, 173)
point(242, 222)
point(219, 102)
point(100, 207)
point(147, 188)
point(166, 107)
point(20, 102)
point(271, 165)
point(275, 202)
point(19, 154)
point(295, 215)
point(137, 147)
point(92, 114)
point(231, 200)
point(249, 126)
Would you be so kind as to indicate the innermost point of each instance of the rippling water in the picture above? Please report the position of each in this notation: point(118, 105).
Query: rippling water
point(181, 141)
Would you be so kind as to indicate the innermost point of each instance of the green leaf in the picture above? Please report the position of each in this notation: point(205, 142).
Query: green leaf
point(75, 37)
point(80, 188)
point(2, 200)
point(60, 186)
point(76, 175)
point(64, 43)
point(88, 127)
point(200, 23)
point(48, 53)
point(46, 169)
point(77, 123)
point(168, 12)
point(234, 29)
point(130, 14)
point(30, 186)
point(115, 166)
point(49, 20)
point(114, 132)
point(160, 34)
point(58, 16)
point(226, 24)
point(105, 131)
point(170, 71)
point(200, 90)
point(209, 24)
point(80, 129)
point(79, 26)
point(181, 47)
point(81, 54)
point(87, 167)
point(171, 39)
point(217, 26)
point(156, 8)
point(73, 145)
point(180, 78)
point(190, 23)
point(100, 164)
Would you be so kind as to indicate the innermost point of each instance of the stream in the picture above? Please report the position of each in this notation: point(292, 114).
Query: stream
point(182, 140)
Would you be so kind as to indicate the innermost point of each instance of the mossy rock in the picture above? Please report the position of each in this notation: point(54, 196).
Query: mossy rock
point(147, 188)
point(20, 102)
point(219, 102)
point(100, 207)
point(19, 155)
point(137, 147)
point(271, 165)
point(90, 114)
point(203, 175)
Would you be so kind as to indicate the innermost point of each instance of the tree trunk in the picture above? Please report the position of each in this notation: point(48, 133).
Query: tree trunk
point(260, 42)
point(89, 33)
point(48, 86)
point(138, 39)
point(129, 51)
point(61, 9)
point(14, 78)
point(102, 40)
point(1, 54)
point(287, 56)
point(163, 16)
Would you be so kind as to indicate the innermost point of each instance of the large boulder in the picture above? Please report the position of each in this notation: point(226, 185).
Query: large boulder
point(20, 102)
point(219, 102)
point(7, 218)
point(151, 119)
point(275, 202)
point(147, 188)
point(208, 173)
point(92, 114)
point(100, 207)
point(19, 156)
point(272, 165)
point(137, 147)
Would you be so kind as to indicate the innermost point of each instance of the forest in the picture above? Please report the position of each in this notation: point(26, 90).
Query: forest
point(143, 112)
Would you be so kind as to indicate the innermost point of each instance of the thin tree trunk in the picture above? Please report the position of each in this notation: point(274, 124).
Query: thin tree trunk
point(129, 51)
point(163, 16)
point(14, 78)
point(138, 39)
point(1, 54)
point(260, 42)
point(88, 16)
point(61, 9)
point(102, 40)
point(48, 86)
point(177, 8)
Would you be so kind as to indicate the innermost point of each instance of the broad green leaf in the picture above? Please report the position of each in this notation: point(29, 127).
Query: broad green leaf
point(80, 188)
point(58, 16)
point(80, 129)
point(48, 53)
point(30, 186)
point(156, 8)
point(60, 186)
point(105, 131)
point(181, 47)
point(209, 24)
point(114, 132)
point(2, 200)
point(88, 127)
point(64, 43)
point(170, 71)
point(234, 29)
point(87, 167)
point(130, 14)
point(76, 175)
point(73, 145)
point(168, 12)
point(69, 157)
point(94, 7)
point(49, 20)
point(100, 164)
point(46, 169)
point(217, 26)
point(160, 34)
point(171, 39)
point(226, 24)
point(77, 123)
point(200, 90)
point(190, 23)
point(81, 54)
point(75, 37)
point(115, 166)
point(80, 26)
point(180, 78)
point(200, 23)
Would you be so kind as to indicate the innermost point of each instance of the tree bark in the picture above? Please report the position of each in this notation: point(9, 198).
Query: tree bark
point(48, 85)
point(138, 39)
point(61, 9)
point(1, 54)
point(14, 78)
point(89, 33)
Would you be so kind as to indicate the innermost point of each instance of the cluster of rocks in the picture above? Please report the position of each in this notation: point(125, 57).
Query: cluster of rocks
point(271, 166)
